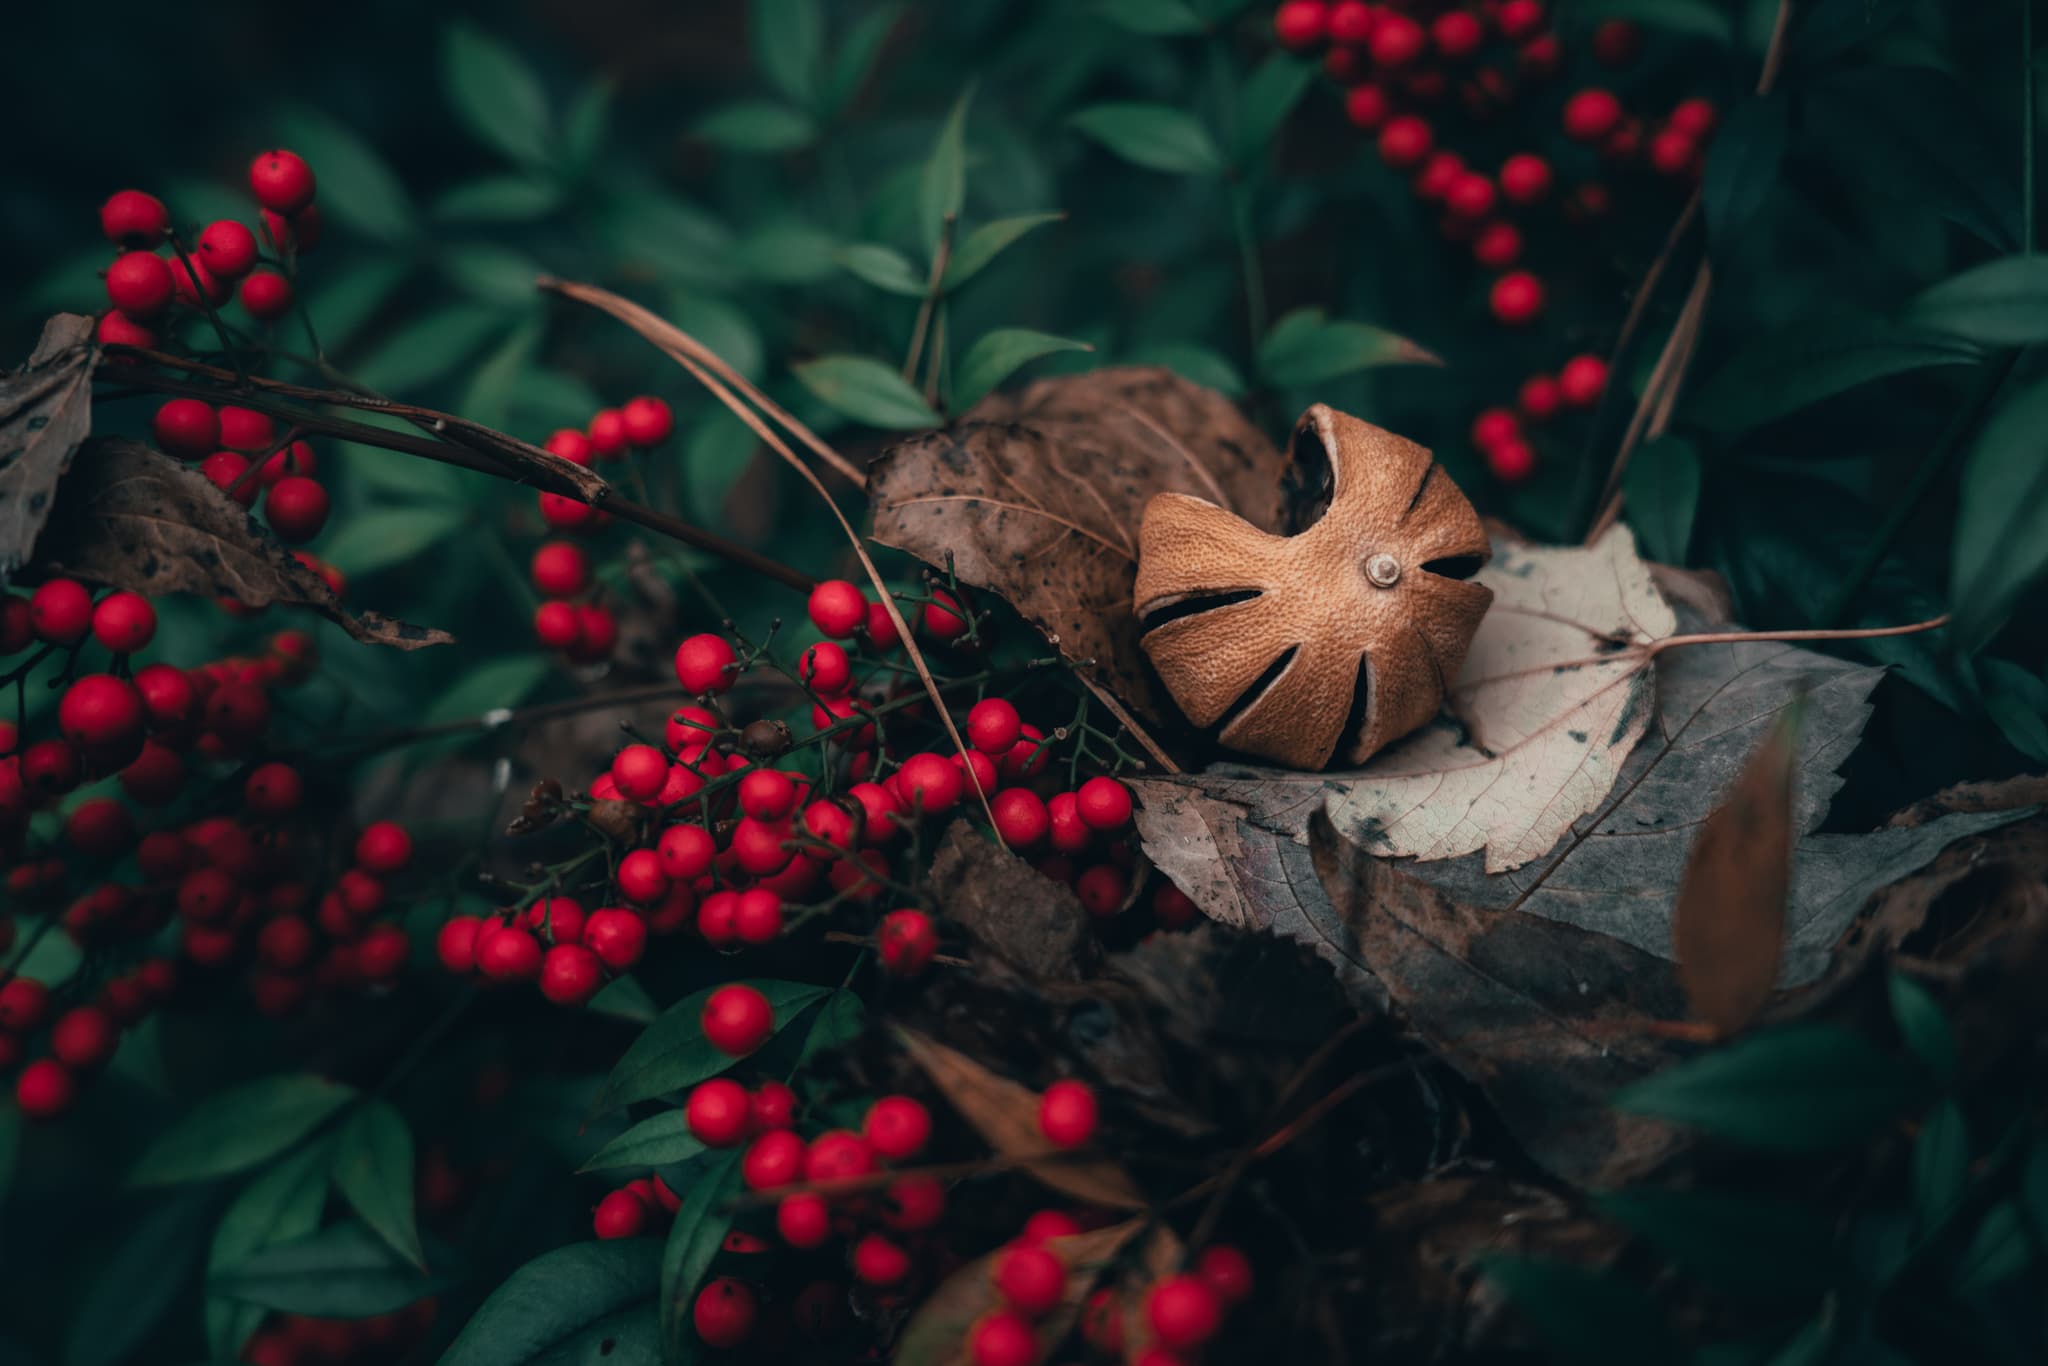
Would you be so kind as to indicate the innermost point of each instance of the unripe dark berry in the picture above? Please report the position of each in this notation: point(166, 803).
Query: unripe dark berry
point(281, 181)
point(227, 249)
point(1516, 298)
point(187, 428)
point(1067, 1114)
point(133, 219)
point(1301, 24)
point(737, 1019)
point(296, 508)
point(266, 295)
point(124, 622)
point(139, 283)
point(647, 421)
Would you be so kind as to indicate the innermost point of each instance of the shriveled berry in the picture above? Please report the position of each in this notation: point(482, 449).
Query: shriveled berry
point(906, 942)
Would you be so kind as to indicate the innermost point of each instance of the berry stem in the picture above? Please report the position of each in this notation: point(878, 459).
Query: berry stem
point(1733, 637)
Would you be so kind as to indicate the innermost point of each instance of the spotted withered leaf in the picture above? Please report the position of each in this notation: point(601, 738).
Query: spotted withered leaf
point(45, 412)
point(1036, 496)
point(129, 516)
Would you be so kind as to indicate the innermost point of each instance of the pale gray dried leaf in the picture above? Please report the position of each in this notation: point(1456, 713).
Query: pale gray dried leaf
point(1037, 496)
point(131, 517)
point(45, 413)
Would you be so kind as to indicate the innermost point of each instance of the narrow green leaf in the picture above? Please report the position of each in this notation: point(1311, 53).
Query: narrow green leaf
point(373, 1170)
point(497, 199)
point(1999, 1251)
point(392, 536)
point(1305, 348)
point(840, 1021)
point(788, 39)
point(1189, 361)
point(1662, 486)
point(786, 253)
point(867, 391)
point(2001, 536)
point(586, 1302)
point(1810, 361)
point(724, 327)
point(494, 684)
point(343, 1271)
point(1941, 1164)
point(997, 355)
point(988, 241)
point(1158, 137)
point(623, 998)
point(1812, 1345)
point(2018, 702)
point(715, 455)
point(489, 397)
point(1801, 1088)
point(654, 1142)
point(942, 185)
point(1761, 1247)
point(1152, 18)
point(585, 125)
point(342, 303)
point(495, 94)
point(673, 1053)
point(496, 275)
point(1924, 1028)
point(1268, 97)
point(883, 267)
point(854, 55)
point(281, 1203)
point(760, 126)
point(1743, 163)
point(237, 1129)
point(142, 1274)
point(1590, 1317)
point(429, 347)
point(701, 1223)
point(357, 190)
point(2000, 303)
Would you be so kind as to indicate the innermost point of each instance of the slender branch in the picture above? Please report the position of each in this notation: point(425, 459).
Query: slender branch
point(1731, 637)
point(1243, 228)
point(935, 290)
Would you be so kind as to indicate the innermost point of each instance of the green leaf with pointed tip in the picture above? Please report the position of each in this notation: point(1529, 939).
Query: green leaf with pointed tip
point(1802, 1088)
point(2001, 536)
point(2018, 702)
point(429, 347)
point(281, 1203)
point(2000, 1250)
point(839, 1022)
point(883, 267)
point(1941, 1164)
point(584, 126)
point(1743, 163)
point(1268, 97)
point(1158, 137)
point(509, 198)
point(2000, 303)
point(867, 391)
point(623, 998)
point(489, 397)
point(1924, 1028)
point(1662, 487)
point(357, 189)
point(373, 1171)
point(853, 56)
point(997, 355)
point(496, 275)
point(788, 40)
point(1800, 365)
point(585, 1303)
point(495, 94)
point(761, 126)
point(341, 304)
point(656, 1141)
point(391, 536)
point(343, 1271)
point(493, 684)
point(1761, 1247)
point(673, 1053)
point(235, 1130)
point(1305, 347)
point(1190, 361)
point(790, 252)
point(141, 1275)
point(942, 184)
point(715, 455)
point(988, 241)
point(701, 1223)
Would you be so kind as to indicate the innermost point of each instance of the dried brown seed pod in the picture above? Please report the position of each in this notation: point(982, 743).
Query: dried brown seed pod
point(1337, 638)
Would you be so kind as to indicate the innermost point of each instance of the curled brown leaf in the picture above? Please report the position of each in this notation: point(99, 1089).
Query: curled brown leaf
point(45, 413)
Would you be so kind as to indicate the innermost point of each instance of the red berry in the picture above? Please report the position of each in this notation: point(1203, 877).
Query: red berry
point(1511, 461)
point(1538, 398)
point(907, 941)
point(897, 1127)
point(227, 249)
point(196, 286)
point(704, 664)
point(187, 428)
point(1590, 115)
point(622, 1214)
point(1104, 804)
point(224, 470)
point(607, 432)
point(139, 283)
point(1301, 24)
point(686, 851)
point(1367, 106)
point(718, 1112)
point(757, 916)
point(1397, 40)
point(561, 569)
point(617, 936)
point(100, 710)
point(879, 1262)
point(1173, 908)
point(382, 952)
point(737, 1019)
point(1227, 1271)
point(267, 295)
point(555, 625)
point(774, 1107)
point(930, 783)
point(273, 789)
point(761, 847)
point(1694, 117)
point(1066, 1114)
point(1438, 175)
point(911, 1204)
point(881, 628)
point(1673, 152)
point(383, 847)
point(938, 619)
point(804, 1220)
point(1102, 1322)
point(1525, 178)
point(1070, 834)
point(1498, 245)
point(1183, 1311)
point(132, 219)
point(1457, 34)
point(61, 612)
point(1021, 817)
point(281, 181)
point(1539, 58)
point(1519, 19)
point(1516, 298)
point(564, 513)
point(124, 622)
point(455, 943)
point(1580, 382)
point(1470, 196)
point(1405, 140)
point(100, 828)
point(773, 1160)
point(640, 771)
point(23, 1003)
point(1352, 22)
point(1102, 890)
point(993, 726)
point(1031, 1279)
point(724, 1313)
point(246, 430)
point(647, 421)
point(1002, 1338)
point(767, 794)
point(507, 953)
point(1617, 43)
point(296, 508)
point(43, 1090)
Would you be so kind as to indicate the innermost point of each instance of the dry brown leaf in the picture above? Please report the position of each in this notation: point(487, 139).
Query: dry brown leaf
point(937, 1333)
point(1037, 496)
point(1005, 1113)
point(1728, 928)
point(45, 413)
point(1035, 924)
point(132, 517)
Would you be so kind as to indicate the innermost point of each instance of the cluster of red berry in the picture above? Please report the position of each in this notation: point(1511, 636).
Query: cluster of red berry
point(240, 451)
point(1179, 1314)
point(1410, 69)
point(301, 1340)
point(227, 257)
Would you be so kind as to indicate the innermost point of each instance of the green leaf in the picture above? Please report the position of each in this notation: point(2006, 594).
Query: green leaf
point(1158, 137)
point(1802, 1088)
point(997, 355)
point(988, 241)
point(1941, 1164)
point(1742, 164)
point(673, 1053)
point(1152, 18)
point(1687, 18)
point(1809, 361)
point(883, 267)
point(1590, 1317)
point(390, 536)
point(1924, 1028)
point(701, 1223)
point(2000, 1250)
point(280, 1204)
point(584, 1303)
point(357, 190)
point(584, 126)
point(2001, 537)
point(237, 1129)
point(867, 391)
point(623, 998)
point(492, 685)
point(761, 126)
point(787, 253)
point(654, 1142)
point(854, 55)
point(497, 199)
point(1189, 361)
point(1812, 1345)
point(715, 455)
point(2000, 303)
point(788, 39)
point(1663, 491)
point(1757, 1246)
point(1305, 347)
point(373, 1171)
point(840, 1021)
point(344, 1271)
point(722, 326)
point(143, 1273)
point(2018, 702)
point(430, 347)
point(345, 301)
point(942, 184)
point(1268, 97)
point(489, 397)
point(495, 94)
point(497, 275)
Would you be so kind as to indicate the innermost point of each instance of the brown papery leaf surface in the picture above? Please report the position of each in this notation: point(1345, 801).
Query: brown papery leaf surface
point(1005, 1113)
point(937, 1333)
point(1038, 495)
point(132, 517)
point(1728, 929)
point(45, 413)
